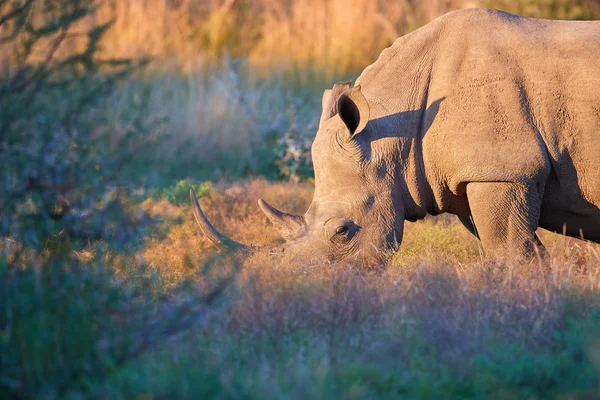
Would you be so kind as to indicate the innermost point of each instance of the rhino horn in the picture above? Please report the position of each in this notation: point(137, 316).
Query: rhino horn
point(216, 237)
point(289, 226)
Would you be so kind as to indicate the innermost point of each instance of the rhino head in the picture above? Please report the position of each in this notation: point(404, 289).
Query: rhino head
point(357, 210)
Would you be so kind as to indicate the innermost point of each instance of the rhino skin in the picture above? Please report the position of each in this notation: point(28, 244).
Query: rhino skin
point(486, 115)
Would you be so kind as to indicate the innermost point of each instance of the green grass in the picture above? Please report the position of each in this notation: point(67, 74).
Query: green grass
point(179, 194)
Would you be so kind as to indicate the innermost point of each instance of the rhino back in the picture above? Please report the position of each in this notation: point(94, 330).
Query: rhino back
point(517, 98)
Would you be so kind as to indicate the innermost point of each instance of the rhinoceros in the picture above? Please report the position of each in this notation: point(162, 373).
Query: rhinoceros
point(486, 115)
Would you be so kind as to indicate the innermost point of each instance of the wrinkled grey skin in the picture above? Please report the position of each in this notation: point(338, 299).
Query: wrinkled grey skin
point(482, 114)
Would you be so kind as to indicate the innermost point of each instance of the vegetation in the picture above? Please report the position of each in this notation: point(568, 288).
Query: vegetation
point(111, 110)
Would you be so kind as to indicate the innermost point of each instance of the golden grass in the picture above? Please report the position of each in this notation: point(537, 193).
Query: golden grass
point(232, 208)
point(333, 36)
point(434, 243)
point(150, 28)
point(438, 281)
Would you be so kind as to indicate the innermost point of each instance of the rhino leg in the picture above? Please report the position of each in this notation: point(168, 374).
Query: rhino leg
point(506, 215)
point(468, 223)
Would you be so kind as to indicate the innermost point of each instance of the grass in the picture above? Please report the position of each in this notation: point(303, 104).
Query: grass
point(439, 322)
point(213, 125)
point(329, 36)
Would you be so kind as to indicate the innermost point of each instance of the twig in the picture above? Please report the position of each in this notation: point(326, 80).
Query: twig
point(16, 11)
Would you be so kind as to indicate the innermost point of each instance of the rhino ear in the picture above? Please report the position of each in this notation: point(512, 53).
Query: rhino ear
point(330, 100)
point(354, 110)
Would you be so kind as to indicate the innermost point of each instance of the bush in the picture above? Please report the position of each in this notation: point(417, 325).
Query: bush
point(71, 313)
point(60, 176)
point(180, 193)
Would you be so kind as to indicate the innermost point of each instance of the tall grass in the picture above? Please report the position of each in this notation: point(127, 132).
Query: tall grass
point(333, 36)
point(439, 322)
point(228, 123)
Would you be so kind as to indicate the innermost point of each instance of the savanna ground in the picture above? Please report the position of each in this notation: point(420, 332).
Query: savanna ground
point(108, 290)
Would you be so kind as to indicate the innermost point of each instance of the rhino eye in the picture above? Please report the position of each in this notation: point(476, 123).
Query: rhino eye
point(341, 230)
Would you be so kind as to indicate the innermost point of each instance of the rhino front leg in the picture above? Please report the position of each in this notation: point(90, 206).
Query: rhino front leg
point(506, 215)
point(468, 223)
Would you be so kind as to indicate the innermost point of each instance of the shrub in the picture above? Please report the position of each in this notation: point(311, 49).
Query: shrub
point(69, 318)
point(180, 193)
point(60, 176)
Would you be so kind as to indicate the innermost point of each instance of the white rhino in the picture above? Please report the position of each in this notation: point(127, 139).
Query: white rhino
point(482, 114)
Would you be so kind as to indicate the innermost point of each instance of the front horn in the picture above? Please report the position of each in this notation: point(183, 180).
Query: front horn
point(216, 237)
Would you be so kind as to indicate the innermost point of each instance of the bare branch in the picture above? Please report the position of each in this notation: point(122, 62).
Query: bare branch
point(14, 12)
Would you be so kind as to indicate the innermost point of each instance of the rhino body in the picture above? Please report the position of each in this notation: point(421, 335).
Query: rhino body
point(483, 114)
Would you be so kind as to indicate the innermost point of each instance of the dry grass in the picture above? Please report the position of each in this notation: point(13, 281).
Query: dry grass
point(234, 208)
point(331, 36)
point(438, 305)
point(438, 276)
point(439, 322)
point(337, 36)
point(334, 36)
